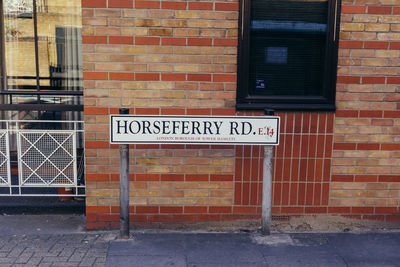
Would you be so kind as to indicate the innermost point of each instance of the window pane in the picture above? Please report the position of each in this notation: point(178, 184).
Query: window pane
point(287, 47)
point(59, 44)
point(59, 30)
point(19, 44)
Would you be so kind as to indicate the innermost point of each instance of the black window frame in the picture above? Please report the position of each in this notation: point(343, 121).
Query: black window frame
point(325, 102)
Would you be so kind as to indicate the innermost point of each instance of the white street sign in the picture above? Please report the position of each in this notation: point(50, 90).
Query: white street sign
point(131, 129)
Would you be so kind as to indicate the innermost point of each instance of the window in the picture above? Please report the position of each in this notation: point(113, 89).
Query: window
point(288, 54)
point(41, 63)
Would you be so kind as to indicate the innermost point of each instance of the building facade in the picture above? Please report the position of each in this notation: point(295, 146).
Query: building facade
point(330, 69)
point(181, 58)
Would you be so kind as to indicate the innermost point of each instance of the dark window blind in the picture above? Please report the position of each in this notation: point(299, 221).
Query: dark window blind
point(287, 47)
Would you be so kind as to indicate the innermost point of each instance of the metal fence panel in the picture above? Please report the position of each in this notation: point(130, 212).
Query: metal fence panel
point(47, 158)
point(5, 172)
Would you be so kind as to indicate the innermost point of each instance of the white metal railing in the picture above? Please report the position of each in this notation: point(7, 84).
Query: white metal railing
point(49, 155)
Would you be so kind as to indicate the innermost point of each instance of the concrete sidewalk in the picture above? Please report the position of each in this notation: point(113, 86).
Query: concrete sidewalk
point(60, 240)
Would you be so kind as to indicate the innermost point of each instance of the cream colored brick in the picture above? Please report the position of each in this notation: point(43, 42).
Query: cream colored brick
point(182, 14)
point(377, 27)
point(352, 27)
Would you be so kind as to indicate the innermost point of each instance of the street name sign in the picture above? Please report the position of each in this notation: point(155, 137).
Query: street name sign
point(132, 129)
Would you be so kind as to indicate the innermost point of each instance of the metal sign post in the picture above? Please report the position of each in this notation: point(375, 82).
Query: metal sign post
point(267, 186)
point(124, 185)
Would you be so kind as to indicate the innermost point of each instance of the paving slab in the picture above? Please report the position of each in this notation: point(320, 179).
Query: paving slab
point(64, 242)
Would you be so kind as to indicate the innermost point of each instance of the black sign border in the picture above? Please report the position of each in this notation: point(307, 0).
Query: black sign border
point(194, 143)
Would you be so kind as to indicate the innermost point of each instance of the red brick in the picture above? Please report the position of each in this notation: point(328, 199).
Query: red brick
point(95, 75)
point(121, 76)
point(208, 217)
point(396, 10)
point(386, 210)
point(159, 218)
point(316, 210)
point(184, 218)
point(199, 41)
point(173, 5)
point(147, 4)
point(340, 210)
point(393, 218)
point(173, 41)
point(347, 113)
point(95, 111)
point(223, 112)
point(221, 177)
point(94, 39)
point(353, 9)
point(199, 77)
point(120, 40)
point(91, 217)
point(224, 77)
point(371, 113)
point(226, 6)
point(293, 210)
point(93, 177)
point(389, 178)
point(171, 209)
point(376, 45)
point(391, 114)
point(195, 209)
point(200, 5)
point(244, 209)
point(198, 111)
point(94, 3)
point(147, 40)
point(362, 210)
point(348, 79)
point(393, 80)
point(108, 217)
point(379, 10)
point(367, 146)
point(172, 111)
point(344, 146)
point(172, 177)
point(147, 111)
point(97, 209)
point(225, 42)
point(96, 144)
point(172, 146)
point(373, 80)
point(220, 209)
point(120, 3)
point(394, 45)
point(146, 209)
point(350, 44)
point(147, 177)
point(366, 178)
point(173, 77)
point(196, 177)
point(137, 218)
point(147, 76)
point(342, 178)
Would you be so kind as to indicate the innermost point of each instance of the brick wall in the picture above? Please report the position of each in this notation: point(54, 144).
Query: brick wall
point(366, 158)
point(166, 57)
